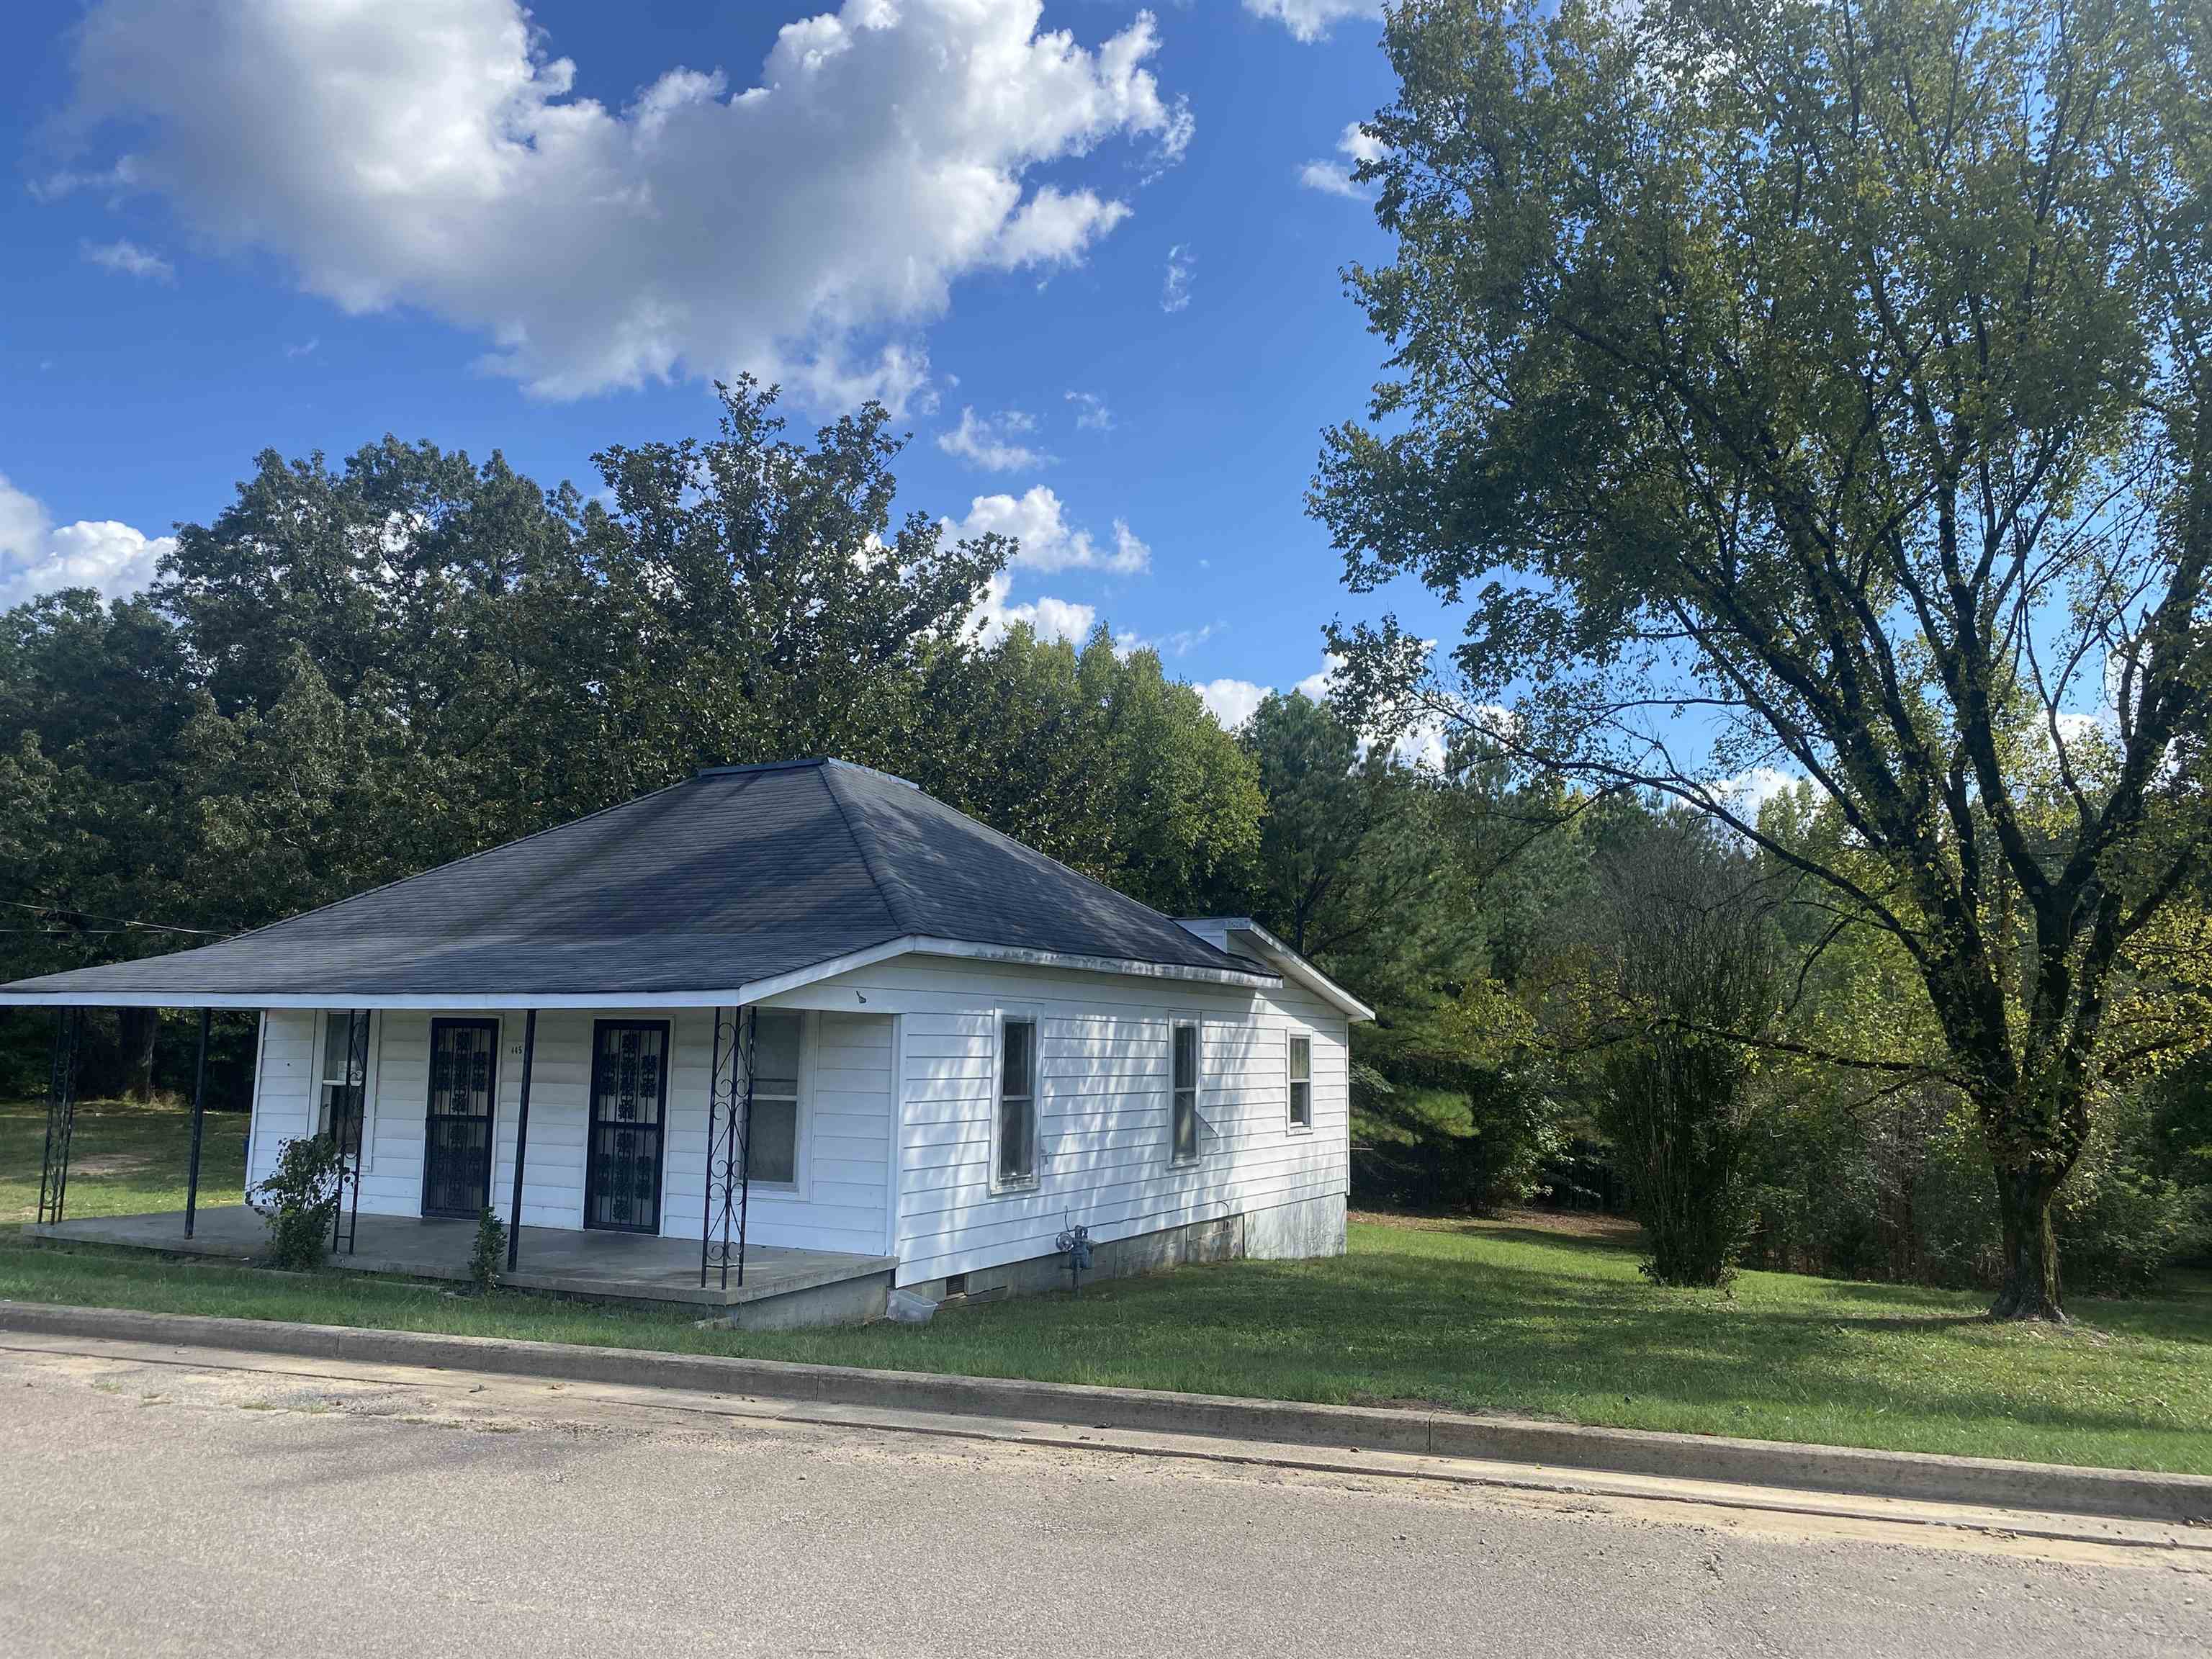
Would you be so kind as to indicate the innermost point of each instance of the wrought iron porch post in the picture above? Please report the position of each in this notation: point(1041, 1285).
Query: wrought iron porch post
point(521, 1140)
point(61, 1117)
point(729, 1137)
point(351, 1123)
point(721, 1171)
point(713, 1136)
point(199, 1111)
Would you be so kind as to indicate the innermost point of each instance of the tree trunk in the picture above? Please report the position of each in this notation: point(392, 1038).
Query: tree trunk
point(2029, 1289)
point(136, 1027)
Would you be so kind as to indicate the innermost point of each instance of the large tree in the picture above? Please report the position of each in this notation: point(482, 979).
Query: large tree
point(1822, 386)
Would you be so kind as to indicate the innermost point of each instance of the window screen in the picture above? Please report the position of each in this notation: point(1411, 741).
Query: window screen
point(1185, 1117)
point(341, 1092)
point(772, 1150)
point(1016, 1152)
point(1301, 1082)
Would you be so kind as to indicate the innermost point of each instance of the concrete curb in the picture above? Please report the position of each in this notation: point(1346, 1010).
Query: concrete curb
point(1920, 1477)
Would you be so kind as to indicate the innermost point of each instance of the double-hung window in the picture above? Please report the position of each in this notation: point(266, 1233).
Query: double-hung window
point(1301, 1076)
point(772, 1140)
point(1183, 1085)
point(1014, 1133)
point(341, 1086)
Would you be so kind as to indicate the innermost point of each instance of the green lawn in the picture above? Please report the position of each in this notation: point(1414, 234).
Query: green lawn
point(123, 1159)
point(1522, 1318)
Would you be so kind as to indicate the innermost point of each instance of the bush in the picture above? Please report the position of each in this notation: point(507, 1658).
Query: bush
point(2120, 1223)
point(1895, 1189)
point(299, 1200)
point(490, 1255)
point(1449, 1106)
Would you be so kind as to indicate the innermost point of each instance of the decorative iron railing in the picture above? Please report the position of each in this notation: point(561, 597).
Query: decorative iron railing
point(61, 1115)
point(729, 1133)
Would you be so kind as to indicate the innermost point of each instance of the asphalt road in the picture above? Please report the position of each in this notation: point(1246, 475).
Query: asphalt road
point(190, 1507)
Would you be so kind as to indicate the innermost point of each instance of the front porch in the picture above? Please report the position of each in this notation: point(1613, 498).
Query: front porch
point(782, 1287)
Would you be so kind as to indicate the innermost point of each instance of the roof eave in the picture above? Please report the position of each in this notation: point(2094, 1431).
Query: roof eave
point(1294, 966)
point(616, 997)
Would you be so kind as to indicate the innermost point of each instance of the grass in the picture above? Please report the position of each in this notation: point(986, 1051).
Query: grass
point(1531, 1317)
point(123, 1159)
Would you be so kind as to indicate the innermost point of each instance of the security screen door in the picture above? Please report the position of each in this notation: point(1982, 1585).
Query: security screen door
point(630, 1091)
point(456, 1135)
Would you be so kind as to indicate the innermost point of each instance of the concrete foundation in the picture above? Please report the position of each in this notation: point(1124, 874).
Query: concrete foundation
point(842, 1302)
point(1313, 1228)
point(1294, 1232)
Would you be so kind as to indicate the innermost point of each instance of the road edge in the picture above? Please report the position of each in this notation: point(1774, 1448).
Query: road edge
point(1918, 1476)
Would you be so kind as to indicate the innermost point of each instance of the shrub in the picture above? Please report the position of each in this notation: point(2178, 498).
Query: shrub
point(299, 1200)
point(490, 1255)
point(2120, 1222)
point(1684, 958)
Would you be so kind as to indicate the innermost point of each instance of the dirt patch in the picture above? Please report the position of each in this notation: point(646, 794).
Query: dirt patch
point(1563, 1223)
point(109, 1164)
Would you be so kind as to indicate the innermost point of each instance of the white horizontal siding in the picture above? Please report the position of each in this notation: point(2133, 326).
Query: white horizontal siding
point(283, 1090)
point(844, 1202)
point(1102, 1104)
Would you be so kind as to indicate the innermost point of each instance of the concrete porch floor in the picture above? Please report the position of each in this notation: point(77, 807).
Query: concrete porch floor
point(618, 1266)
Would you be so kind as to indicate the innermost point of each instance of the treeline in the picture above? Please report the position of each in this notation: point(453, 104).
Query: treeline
point(360, 671)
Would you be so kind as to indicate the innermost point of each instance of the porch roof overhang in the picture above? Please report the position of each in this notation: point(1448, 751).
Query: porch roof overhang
point(640, 971)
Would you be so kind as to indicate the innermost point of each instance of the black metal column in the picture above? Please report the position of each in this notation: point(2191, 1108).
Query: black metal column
point(349, 1123)
point(199, 1112)
point(61, 1116)
point(745, 1143)
point(521, 1140)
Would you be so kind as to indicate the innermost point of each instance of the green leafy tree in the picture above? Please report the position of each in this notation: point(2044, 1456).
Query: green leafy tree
point(1340, 851)
point(755, 599)
point(1094, 757)
point(1835, 376)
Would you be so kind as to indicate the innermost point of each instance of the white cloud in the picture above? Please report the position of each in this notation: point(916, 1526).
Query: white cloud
point(1048, 617)
point(1330, 178)
point(306, 348)
point(1091, 414)
point(38, 556)
point(128, 259)
point(1180, 643)
point(1175, 287)
point(1746, 791)
point(1038, 520)
point(1231, 701)
point(1356, 144)
point(808, 227)
point(992, 443)
point(118, 181)
point(1311, 20)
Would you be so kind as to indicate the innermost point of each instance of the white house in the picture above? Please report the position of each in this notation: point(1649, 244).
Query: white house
point(803, 1018)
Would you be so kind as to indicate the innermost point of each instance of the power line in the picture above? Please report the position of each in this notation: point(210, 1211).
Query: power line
point(122, 924)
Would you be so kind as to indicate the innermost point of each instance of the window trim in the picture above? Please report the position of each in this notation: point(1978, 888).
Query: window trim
point(1034, 1019)
point(321, 1046)
point(1292, 1037)
point(802, 1115)
point(1176, 1021)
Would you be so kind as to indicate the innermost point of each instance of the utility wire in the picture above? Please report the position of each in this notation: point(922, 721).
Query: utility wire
point(122, 924)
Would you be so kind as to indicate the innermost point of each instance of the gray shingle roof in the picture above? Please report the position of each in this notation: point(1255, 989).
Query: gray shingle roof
point(737, 875)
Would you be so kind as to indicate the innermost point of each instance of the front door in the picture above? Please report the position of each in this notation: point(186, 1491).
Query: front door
point(456, 1135)
point(630, 1090)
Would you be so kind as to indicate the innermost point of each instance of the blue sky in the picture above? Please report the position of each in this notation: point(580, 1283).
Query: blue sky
point(1086, 248)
